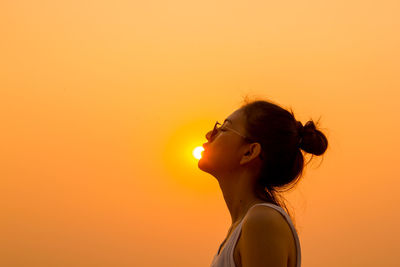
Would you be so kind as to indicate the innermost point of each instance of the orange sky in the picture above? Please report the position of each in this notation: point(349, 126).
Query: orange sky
point(102, 102)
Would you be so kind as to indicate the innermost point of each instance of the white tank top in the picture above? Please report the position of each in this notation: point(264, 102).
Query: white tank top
point(225, 258)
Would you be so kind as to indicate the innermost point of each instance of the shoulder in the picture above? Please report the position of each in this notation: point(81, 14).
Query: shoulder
point(265, 238)
point(265, 218)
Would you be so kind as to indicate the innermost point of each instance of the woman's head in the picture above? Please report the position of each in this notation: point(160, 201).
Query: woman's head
point(271, 148)
point(227, 149)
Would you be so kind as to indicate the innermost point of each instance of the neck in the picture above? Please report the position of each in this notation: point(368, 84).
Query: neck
point(240, 194)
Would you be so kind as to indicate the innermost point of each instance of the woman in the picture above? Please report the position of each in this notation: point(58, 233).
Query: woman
point(254, 154)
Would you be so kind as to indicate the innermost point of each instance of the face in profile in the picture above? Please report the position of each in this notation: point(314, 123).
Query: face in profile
point(223, 151)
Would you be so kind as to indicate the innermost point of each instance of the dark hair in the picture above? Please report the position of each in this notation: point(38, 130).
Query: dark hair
point(282, 138)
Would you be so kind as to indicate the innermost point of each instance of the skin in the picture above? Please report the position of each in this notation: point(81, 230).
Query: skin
point(266, 238)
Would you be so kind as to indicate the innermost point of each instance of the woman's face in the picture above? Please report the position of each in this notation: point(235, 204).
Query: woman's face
point(222, 154)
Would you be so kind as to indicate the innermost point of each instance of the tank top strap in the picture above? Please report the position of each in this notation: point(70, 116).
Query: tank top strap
point(289, 221)
point(225, 258)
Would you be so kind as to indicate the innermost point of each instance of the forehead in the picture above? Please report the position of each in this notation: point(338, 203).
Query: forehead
point(235, 118)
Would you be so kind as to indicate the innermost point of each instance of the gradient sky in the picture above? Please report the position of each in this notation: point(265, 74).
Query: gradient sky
point(102, 103)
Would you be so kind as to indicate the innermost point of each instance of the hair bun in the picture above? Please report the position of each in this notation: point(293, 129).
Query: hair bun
point(312, 140)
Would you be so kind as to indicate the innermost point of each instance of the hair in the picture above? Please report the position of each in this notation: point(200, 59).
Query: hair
point(282, 138)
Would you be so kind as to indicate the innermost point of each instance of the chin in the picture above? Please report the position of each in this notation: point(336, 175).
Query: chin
point(202, 165)
point(205, 166)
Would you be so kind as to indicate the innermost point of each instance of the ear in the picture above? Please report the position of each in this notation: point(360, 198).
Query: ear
point(252, 151)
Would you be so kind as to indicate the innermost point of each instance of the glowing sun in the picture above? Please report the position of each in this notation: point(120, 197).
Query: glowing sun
point(197, 152)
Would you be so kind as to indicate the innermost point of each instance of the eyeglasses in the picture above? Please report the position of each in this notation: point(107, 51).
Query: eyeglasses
point(216, 128)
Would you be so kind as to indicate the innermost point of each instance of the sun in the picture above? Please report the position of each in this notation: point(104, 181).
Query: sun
point(197, 152)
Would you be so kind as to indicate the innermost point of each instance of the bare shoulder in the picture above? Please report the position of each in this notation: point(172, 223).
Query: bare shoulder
point(262, 216)
point(265, 238)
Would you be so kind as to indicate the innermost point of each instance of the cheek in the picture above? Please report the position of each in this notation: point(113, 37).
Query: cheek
point(223, 156)
point(219, 159)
